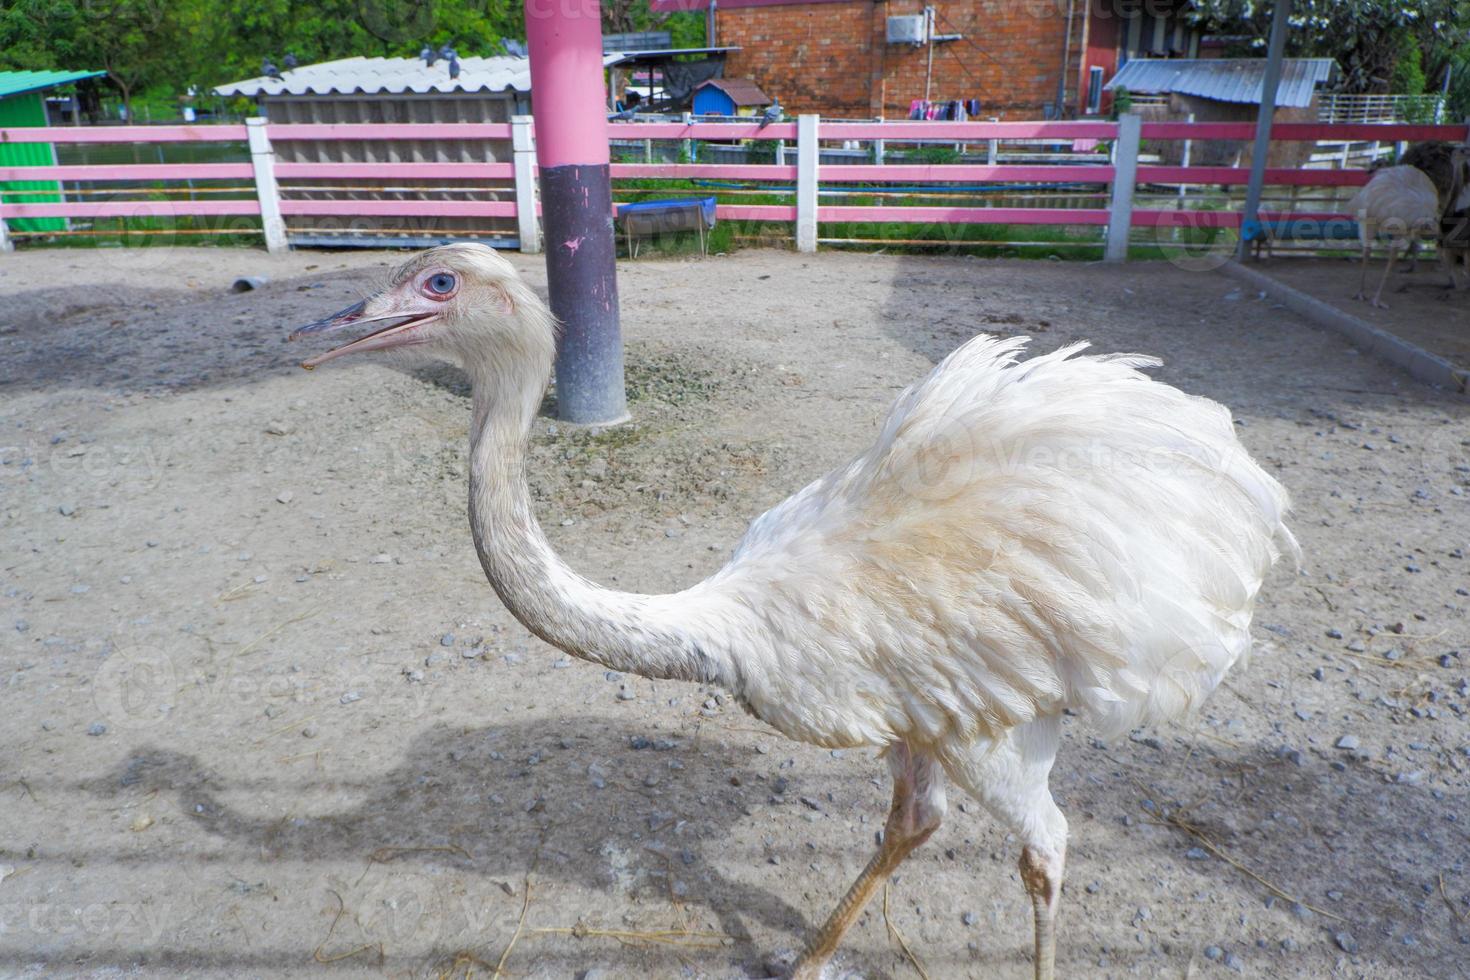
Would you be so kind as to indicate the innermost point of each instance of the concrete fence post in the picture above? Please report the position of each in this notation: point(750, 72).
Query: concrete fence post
point(807, 155)
point(263, 162)
point(1125, 177)
point(523, 151)
point(6, 245)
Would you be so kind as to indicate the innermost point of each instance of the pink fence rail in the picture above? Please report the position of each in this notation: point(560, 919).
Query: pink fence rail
point(1101, 175)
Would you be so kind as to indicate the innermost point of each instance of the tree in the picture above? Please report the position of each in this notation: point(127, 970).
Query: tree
point(1366, 37)
point(162, 47)
point(626, 16)
point(135, 41)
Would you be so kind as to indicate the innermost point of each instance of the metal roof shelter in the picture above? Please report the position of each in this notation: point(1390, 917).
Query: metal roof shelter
point(396, 76)
point(1226, 79)
point(19, 82)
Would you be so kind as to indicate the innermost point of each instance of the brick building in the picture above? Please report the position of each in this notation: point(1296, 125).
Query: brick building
point(1031, 59)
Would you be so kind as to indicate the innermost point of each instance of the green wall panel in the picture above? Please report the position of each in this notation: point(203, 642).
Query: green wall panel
point(27, 109)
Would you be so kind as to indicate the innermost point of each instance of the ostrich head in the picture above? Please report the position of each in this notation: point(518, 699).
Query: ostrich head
point(463, 303)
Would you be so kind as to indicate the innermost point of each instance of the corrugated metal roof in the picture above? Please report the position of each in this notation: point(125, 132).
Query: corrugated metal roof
point(1226, 79)
point(742, 91)
point(16, 82)
point(394, 76)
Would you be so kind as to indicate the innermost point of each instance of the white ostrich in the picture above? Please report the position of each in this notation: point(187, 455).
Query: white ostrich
point(1024, 538)
point(1403, 203)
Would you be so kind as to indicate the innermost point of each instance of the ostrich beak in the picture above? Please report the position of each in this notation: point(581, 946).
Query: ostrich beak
point(398, 329)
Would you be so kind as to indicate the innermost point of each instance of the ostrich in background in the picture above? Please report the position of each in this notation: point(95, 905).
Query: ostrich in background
point(1403, 203)
point(1024, 538)
point(1447, 165)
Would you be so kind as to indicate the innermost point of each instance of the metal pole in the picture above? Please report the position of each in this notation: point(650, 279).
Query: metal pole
point(1267, 110)
point(929, 64)
point(568, 103)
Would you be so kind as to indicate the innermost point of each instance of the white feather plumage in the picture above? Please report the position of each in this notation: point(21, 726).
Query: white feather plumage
point(1023, 537)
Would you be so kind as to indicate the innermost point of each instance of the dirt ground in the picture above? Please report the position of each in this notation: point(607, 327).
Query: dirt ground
point(262, 715)
point(1420, 309)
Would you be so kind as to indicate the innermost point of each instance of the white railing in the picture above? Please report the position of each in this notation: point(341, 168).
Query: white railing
point(1340, 107)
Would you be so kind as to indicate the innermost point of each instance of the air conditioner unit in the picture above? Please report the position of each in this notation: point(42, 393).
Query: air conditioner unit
point(908, 29)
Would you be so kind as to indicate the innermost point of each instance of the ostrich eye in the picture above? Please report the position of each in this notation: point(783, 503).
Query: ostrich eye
point(441, 283)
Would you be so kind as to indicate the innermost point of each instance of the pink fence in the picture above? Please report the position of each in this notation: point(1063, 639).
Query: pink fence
point(263, 200)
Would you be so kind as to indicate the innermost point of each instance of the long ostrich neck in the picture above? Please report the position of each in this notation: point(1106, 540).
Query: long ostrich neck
point(659, 636)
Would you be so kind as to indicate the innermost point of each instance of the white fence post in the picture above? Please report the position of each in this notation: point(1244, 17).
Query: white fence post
point(1125, 176)
point(807, 155)
point(523, 149)
point(263, 161)
point(1184, 162)
point(992, 148)
point(6, 245)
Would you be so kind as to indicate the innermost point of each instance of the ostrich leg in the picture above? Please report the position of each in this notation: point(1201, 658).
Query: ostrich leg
point(1387, 271)
point(918, 808)
point(1010, 780)
point(1041, 873)
point(1362, 293)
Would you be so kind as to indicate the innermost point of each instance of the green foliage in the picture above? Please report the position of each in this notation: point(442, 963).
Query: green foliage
point(685, 29)
point(933, 155)
point(1122, 102)
point(1457, 104)
point(1408, 68)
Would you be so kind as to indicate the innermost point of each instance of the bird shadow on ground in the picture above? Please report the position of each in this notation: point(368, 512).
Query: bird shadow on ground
point(437, 849)
point(491, 806)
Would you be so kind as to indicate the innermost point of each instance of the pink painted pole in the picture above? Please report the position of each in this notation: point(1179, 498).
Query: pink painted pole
point(569, 103)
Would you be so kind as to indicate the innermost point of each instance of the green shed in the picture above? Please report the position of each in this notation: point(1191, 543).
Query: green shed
point(22, 103)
